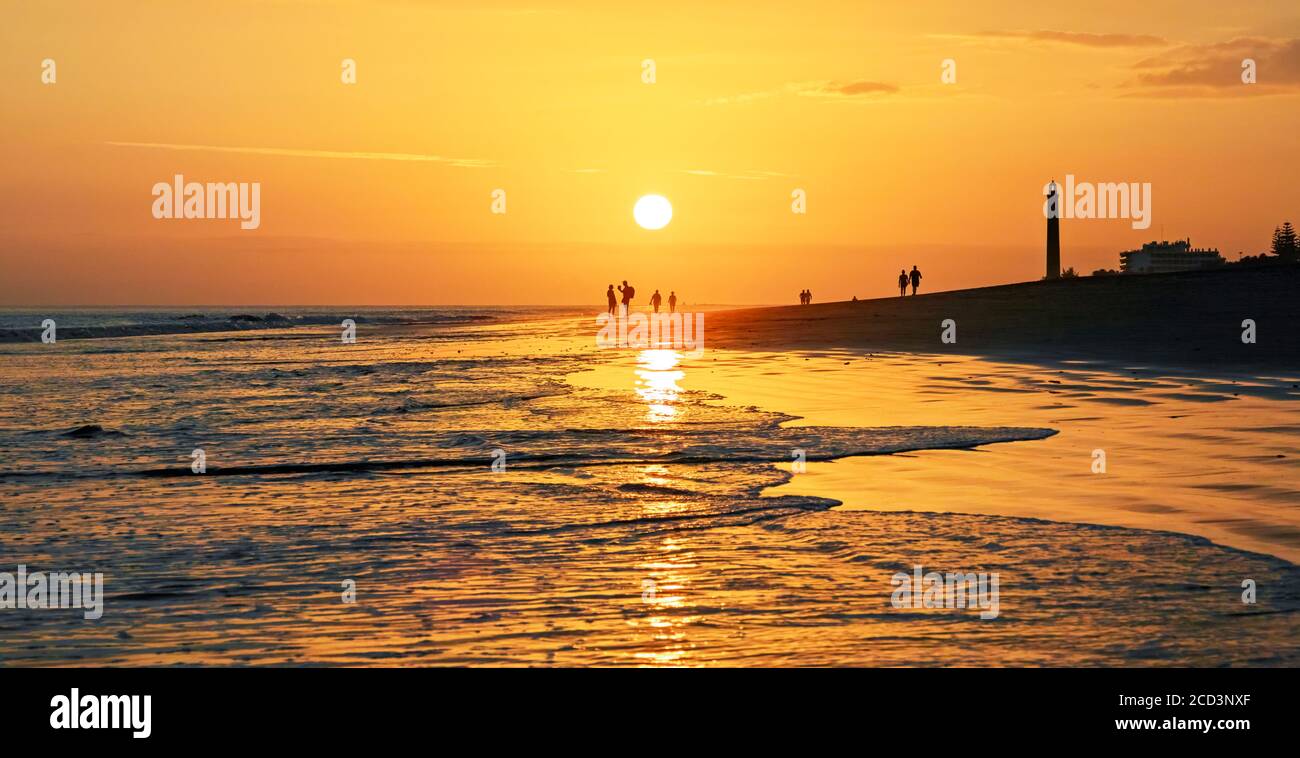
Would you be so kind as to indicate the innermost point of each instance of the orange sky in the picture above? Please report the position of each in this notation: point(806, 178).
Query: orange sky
point(380, 192)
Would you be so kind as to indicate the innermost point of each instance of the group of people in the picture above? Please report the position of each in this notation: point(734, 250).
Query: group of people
point(628, 292)
point(904, 278)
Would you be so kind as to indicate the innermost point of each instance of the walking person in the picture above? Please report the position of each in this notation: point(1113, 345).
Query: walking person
point(655, 300)
point(916, 279)
point(902, 282)
point(628, 292)
point(613, 301)
point(672, 302)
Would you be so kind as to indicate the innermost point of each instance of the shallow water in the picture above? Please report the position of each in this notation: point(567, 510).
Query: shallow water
point(636, 520)
point(1204, 454)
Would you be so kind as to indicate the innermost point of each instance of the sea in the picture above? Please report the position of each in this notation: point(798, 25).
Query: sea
point(256, 489)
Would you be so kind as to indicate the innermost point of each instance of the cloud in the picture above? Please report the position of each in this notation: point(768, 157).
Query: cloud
point(1215, 70)
point(748, 174)
point(1085, 39)
point(850, 89)
point(296, 153)
point(747, 97)
point(858, 89)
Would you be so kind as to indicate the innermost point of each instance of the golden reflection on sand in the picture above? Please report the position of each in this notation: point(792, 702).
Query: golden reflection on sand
point(1196, 454)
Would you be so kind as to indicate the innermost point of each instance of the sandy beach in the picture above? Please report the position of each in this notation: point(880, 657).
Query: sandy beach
point(1197, 428)
point(1185, 319)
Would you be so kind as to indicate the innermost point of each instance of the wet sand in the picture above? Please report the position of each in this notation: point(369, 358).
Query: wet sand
point(1192, 453)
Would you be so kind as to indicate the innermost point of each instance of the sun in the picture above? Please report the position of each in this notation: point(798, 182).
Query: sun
point(653, 212)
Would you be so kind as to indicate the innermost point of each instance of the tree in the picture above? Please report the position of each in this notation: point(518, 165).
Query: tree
point(1285, 245)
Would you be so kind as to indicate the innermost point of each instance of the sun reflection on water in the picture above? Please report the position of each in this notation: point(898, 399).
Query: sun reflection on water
point(667, 603)
point(656, 383)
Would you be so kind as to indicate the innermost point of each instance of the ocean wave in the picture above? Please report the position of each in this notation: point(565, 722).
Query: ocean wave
point(79, 325)
point(92, 431)
point(604, 447)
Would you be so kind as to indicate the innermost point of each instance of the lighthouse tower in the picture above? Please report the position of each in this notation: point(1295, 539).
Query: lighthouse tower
point(1053, 232)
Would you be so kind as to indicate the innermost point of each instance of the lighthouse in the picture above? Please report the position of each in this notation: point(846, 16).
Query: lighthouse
point(1053, 232)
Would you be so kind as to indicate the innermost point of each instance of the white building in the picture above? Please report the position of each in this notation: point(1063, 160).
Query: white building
point(1165, 257)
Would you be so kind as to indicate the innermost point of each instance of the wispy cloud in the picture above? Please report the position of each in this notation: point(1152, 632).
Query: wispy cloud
point(857, 89)
point(752, 174)
point(747, 97)
point(1215, 70)
point(297, 153)
point(1085, 39)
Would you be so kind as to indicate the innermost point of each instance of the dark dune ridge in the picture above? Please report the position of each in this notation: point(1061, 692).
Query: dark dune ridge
point(1190, 318)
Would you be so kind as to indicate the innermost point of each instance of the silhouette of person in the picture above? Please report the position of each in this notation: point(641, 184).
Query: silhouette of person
point(613, 301)
point(803, 297)
point(808, 294)
point(902, 282)
point(656, 299)
point(916, 279)
point(672, 302)
point(628, 292)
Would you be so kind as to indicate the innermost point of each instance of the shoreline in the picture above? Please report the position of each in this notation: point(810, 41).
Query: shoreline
point(1235, 497)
